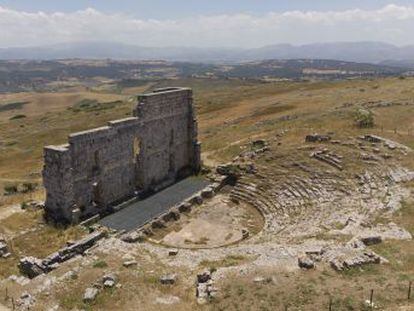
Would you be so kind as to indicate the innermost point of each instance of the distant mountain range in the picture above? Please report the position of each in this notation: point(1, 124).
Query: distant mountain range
point(367, 52)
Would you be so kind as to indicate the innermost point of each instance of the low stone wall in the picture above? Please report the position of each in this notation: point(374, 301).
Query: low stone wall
point(32, 266)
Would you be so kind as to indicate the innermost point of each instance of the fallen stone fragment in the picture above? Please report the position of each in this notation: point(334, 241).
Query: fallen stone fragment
point(245, 233)
point(90, 294)
point(213, 292)
point(202, 291)
point(204, 276)
point(32, 267)
point(205, 289)
point(147, 230)
point(229, 170)
point(185, 207)
point(109, 280)
point(259, 143)
point(167, 300)
point(133, 237)
point(207, 193)
point(109, 284)
point(197, 199)
point(372, 138)
point(354, 258)
point(168, 279)
point(173, 214)
point(305, 262)
point(317, 138)
point(356, 243)
point(4, 250)
point(130, 263)
point(259, 279)
point(158, 224)
point(79, 247)
point(26, 301)
point(173, 252)
point(33, 204)
point(371, 240)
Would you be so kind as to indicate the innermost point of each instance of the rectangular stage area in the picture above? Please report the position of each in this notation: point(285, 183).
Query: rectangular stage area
point(140, 212)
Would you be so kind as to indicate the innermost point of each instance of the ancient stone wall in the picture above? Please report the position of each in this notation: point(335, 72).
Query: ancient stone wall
point(105, 166)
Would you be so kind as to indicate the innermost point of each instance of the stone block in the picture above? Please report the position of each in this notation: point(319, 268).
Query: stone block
point(184, 207)
point(169, 279)
point(90, 294)
point(207, 193)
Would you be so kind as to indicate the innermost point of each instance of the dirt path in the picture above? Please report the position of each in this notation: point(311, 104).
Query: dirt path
point(3, 308)
point(207, 155)
point(7, 211)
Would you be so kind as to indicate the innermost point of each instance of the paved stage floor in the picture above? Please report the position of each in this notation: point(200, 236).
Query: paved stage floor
point(139, 213)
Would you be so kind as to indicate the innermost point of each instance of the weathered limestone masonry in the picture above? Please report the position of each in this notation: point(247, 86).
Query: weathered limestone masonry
point(102, 167)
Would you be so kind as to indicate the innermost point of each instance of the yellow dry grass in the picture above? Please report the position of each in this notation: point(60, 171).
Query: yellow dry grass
point(41, 103)
point(230, 114)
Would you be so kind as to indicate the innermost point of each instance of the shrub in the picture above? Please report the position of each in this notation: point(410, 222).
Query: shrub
point(29, 187)
point(24, 205)
point(93, 105)
point(10, 189)
point(100, 264)
point(364, 118)
point(18, 116)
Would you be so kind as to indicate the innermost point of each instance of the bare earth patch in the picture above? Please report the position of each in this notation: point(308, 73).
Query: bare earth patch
point(216, 223)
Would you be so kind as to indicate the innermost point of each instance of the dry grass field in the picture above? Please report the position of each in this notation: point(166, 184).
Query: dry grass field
point(231, 113)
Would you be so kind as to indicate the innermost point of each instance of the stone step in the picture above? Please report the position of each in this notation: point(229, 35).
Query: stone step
point(258, 195)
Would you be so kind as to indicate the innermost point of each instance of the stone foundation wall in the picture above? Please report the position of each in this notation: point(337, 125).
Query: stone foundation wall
point(105, 166)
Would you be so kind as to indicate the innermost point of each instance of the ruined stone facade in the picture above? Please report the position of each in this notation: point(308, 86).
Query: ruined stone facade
point(102, 167)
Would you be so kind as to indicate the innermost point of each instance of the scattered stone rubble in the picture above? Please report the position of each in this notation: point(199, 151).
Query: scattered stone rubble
point(205, 289)
point(133, 237)
point(328, 157)
point(392, 145)
point(349, 258)
point(130, 263)
point(167, 300)
point(168, 279)
point(341, 257)
point(317, 138)
point(33, 267)
point(371, 239)
point(384, 104)
point(374, 234)
point(26, 301)
point(90, 294)
point(108, 281)
point(298, 197)
point(173, 252)
point(33, 204)
point(4, 250)
point(305, 262)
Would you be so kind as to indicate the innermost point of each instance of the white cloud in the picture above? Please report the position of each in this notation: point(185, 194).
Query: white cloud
point(391, 23)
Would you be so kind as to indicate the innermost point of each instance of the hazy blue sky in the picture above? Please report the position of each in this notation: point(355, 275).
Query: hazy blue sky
point(205, 23)
point(185, 8)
